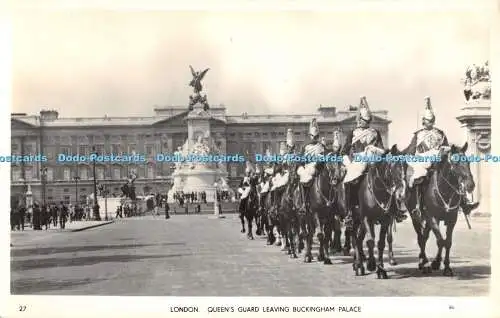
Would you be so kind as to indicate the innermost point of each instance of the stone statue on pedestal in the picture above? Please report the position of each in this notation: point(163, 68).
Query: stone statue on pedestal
point(477, 82)
point(197, 88)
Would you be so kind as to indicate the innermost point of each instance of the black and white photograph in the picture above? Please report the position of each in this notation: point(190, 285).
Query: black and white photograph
point(241, 154)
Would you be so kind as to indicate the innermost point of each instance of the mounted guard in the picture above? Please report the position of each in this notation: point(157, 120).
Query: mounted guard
point(244, 188)
point(426, 143)
point(363, 142)
point(265, 184)
point(307, 170)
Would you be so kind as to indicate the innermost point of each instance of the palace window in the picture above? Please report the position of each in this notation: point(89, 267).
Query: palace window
point(234, 171)
point(65, 150)
point(66, 190)
point(99, 149)
point(100, 173)
point(117, 173)
point(16, 174)
point(67, 199)
point(67, 174)
point(149, 150)
point(83, 150)
point(28, 149)
point(131, 148)
point(84, 173)
point(115, 149)
point(14, 148)
point(150, 172)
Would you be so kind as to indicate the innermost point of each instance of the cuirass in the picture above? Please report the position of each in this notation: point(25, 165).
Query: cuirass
point(362, 138)
point(429, 139)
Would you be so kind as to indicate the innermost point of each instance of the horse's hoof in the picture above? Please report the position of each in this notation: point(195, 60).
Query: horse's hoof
point(257, 232)
point(327, 261)
point(321, 258)
point(250, 237)
point(435, 265)
point(381, 273)
point(307, 259)
point(347, 252)
point(393, 262)
point(426, 270)
point(278, 243)
point(242, 230)
point(289, 251)
point(421, 263)
point(360, 271)
point(294, 255)
point(447, 272)
point(372, 265)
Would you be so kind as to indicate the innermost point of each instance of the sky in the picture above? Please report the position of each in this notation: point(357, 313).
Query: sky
point(121, 63)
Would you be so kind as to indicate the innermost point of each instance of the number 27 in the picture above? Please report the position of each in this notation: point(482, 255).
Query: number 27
point(22, 307)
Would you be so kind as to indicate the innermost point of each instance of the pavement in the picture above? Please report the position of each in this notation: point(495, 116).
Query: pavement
point(194, 255)
point(74, 226)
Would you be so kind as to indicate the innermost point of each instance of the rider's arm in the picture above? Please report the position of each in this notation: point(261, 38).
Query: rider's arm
point(445, 141)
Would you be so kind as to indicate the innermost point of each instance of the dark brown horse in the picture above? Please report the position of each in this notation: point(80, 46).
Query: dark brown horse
point(320, 215)
point(380, 192)
point(288, 213)
point(250, 207)
point(443, 193)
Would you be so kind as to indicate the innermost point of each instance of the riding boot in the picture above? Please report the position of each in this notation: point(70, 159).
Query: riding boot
point(348, 218)
point(419, 203)
point(467, 206)
point(302, 208)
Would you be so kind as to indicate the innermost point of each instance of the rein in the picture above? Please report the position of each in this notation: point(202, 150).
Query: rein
point(456, 192)
point(329, 200)
point(390, 191)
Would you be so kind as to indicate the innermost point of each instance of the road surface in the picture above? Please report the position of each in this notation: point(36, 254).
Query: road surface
point(193, 255)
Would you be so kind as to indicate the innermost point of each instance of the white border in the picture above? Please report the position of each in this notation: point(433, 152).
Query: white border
point(47, 306)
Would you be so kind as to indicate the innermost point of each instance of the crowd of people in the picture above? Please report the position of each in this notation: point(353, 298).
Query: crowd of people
point(47, 215)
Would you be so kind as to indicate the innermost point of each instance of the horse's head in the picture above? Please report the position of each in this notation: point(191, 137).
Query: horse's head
point(395, 172)
point(459, 168)
point(335, 170)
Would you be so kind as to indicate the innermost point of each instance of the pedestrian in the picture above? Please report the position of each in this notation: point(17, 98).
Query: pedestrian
point(22, 218)
point(54, 211)
point(63, 215)
point(167, 209)
point(37, 217)
point(45, 216)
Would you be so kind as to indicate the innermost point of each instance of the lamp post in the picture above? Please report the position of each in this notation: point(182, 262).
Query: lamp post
point(97, 215)
point(76, 178)
point(44, 183)
point(104, 192)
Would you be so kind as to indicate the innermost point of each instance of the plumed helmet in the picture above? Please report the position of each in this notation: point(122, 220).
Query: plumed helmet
point(428, 113)
point(289, 137)
point(364, 110)
point(313, 128)
point(249, 169)
point(336, 140)
point(282, 148)
point(257, 169)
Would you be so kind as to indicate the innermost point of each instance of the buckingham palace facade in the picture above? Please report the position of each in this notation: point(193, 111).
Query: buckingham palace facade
point(49, 134)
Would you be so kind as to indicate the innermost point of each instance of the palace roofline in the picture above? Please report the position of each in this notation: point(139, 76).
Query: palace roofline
point(50, 118)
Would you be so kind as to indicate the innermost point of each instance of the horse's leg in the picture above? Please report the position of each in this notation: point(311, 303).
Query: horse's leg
point(390, 227)
point(434, 225)
point(249, 216)
point(384, 228)
point(328, 239)
point(320, 235)
point(292, 227)
point(450, 226)
point(358, 237)
point(242, 218)
point(337, 234)
point(422, 230)
point(370, 244)
point(310, 229)
point(349, 242)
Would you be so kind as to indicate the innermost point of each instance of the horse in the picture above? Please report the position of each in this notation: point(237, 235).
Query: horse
point(287, 213)
point(442, 194)
point(380, 192)
point(250, 207)
point(323, 195)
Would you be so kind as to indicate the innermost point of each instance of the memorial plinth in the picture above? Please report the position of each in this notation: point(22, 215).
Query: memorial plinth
point(475, 117)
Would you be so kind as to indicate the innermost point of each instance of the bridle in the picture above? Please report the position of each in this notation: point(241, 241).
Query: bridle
point(456, 192)
point(332, 181)
point(389, 189)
